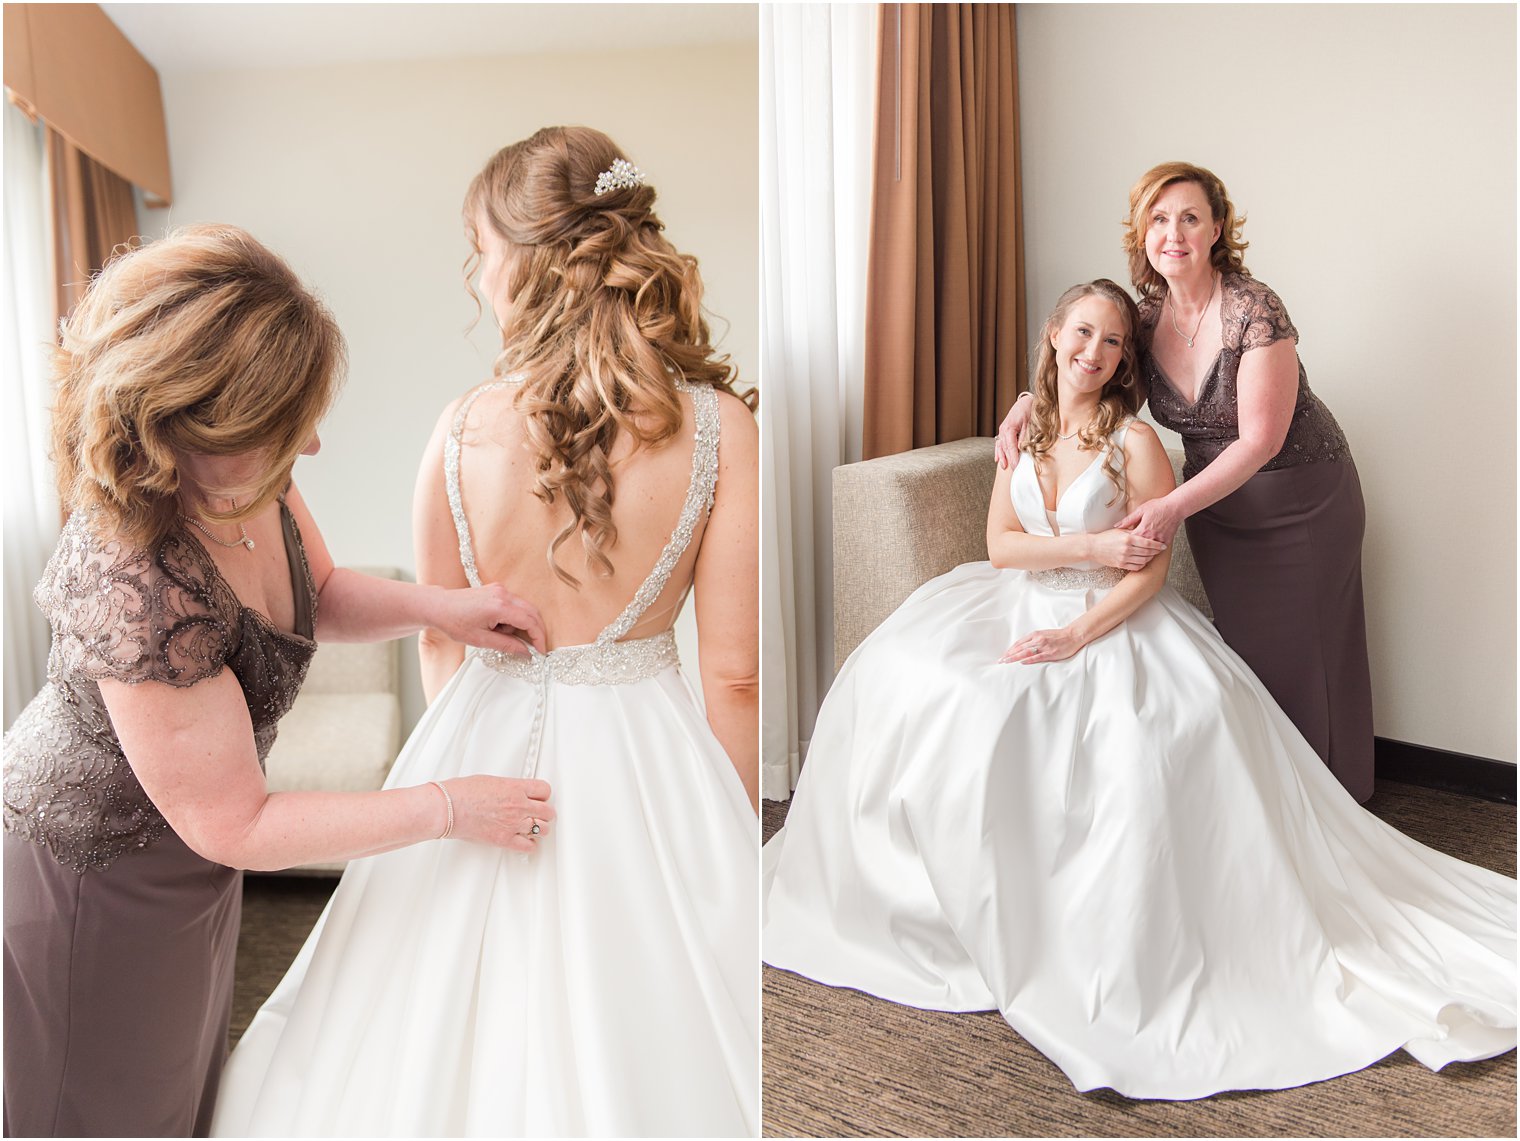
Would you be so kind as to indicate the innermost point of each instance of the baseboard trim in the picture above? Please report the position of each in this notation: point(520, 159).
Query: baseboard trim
point(1438, 768)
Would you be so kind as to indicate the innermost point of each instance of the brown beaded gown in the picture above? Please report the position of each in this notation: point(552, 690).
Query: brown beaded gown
point(120, 940)
point(1281, 556)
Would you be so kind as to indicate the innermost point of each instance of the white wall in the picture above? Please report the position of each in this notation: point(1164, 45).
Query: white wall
point(355, 173)
point(1373, 148)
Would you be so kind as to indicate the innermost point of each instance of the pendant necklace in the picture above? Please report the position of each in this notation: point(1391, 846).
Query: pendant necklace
point(1172, 305)
point(241, 541)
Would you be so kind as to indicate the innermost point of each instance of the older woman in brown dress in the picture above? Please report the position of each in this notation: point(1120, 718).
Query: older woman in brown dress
point(186, 595)
point(1270, 494)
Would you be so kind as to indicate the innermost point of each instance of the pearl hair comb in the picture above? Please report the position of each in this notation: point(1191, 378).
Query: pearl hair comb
point(621, 175)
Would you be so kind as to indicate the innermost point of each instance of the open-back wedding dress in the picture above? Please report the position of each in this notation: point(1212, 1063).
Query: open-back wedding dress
point(606, 984)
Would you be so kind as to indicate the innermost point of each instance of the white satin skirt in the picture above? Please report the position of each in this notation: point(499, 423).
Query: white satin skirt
point(1132, 854)
point(606, 985)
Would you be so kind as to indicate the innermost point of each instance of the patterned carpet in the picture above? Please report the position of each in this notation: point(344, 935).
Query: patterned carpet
point(840, 1063)
point(278, 913)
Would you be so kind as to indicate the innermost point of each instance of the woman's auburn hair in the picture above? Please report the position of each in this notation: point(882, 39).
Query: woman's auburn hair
point(1119, 399)
point(1228, 252)
point(605, 314)
point(203, 342)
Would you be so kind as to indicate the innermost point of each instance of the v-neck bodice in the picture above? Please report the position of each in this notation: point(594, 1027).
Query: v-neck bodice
point(1087, 505)
point(1251, 316)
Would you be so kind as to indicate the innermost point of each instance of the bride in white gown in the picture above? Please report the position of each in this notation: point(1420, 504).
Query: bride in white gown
point(1055, 791)
point(605, 981)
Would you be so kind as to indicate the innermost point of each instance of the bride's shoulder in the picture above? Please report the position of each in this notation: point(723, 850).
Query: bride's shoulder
point(1134, 431)
point(1136, 437)
point(1145, 456)
point(735, 416)
point(458, 415)
point(1120, 435)
point(738, 436)
point(484, 403)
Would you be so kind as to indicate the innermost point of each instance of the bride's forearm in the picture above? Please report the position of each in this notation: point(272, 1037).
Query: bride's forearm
point(1019, 550)
point(1136, 589)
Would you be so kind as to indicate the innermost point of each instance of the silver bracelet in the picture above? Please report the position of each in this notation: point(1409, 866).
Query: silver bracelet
point(448, 803)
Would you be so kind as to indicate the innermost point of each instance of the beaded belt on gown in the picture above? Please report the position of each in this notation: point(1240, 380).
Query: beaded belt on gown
point(596, 663)
point(1073, 578)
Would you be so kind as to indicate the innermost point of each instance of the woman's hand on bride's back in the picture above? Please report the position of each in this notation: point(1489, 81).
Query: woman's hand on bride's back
point(491, 617)
point(1126, 550)
point(501, 811)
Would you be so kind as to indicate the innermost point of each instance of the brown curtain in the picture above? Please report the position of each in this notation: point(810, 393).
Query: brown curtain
point(93, 214)
point(945, 353)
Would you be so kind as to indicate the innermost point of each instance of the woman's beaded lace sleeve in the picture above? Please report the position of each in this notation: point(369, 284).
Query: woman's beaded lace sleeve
point(1259, 317)
point(131, 615)
point(121, 613)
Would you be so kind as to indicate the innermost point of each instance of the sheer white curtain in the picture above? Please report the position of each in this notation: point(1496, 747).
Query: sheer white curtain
point(817, 96)
point(31, 506)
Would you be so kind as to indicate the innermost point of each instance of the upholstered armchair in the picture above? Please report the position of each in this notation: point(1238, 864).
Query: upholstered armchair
point(900, 520)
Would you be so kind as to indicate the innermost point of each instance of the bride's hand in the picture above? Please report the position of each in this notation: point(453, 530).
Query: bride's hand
point(1010, 432)
point(500, 811)
point(1126, 550)
point(490, 617)
point(1042, 646)
point(1155, 519)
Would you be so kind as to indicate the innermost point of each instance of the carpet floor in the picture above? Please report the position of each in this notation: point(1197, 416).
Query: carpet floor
point(278, 913)
point(841, 1063)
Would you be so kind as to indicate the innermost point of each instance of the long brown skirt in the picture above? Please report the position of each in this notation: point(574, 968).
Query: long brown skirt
point(1281, 560)
point(118, 991)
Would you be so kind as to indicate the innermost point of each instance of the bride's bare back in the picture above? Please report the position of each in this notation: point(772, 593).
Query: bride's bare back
point(513, 528)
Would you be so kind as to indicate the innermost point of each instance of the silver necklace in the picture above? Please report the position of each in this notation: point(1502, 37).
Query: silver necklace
point(241, 541)
point(1075, 431)
point(1173, 306)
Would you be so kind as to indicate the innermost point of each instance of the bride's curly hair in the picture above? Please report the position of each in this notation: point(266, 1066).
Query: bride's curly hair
point(1119, 399)
point(605, 314)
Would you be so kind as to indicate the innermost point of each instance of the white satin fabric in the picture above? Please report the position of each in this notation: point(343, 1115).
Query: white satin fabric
point(606, 985)
point(1132, 854)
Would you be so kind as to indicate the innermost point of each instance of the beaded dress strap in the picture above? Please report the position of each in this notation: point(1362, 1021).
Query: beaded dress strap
point(451, 478)
point(699, 499)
